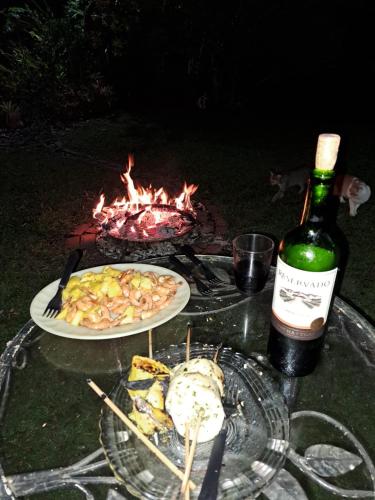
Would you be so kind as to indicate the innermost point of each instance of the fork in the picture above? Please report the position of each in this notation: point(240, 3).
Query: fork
point(201, 287)
point(211, 478)
point(54, 305)
point(210, 276)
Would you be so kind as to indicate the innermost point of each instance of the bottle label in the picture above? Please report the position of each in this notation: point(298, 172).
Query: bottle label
point(301, 301)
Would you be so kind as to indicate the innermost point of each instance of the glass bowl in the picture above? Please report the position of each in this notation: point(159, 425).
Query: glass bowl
point(256, 442)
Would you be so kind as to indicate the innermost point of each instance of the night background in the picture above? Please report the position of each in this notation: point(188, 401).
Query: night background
point(74, 59)
point(214, 93)
point(218, 95)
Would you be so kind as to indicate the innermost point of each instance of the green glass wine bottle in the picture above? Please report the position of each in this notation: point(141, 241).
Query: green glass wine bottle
point(306, 271)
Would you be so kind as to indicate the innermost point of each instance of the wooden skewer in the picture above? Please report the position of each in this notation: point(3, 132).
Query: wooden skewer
point(191, 455)
point(187, 446)
point(150, 355)
point(187, 442)
point(216, 355)
point(171, 466)
point(188, 338)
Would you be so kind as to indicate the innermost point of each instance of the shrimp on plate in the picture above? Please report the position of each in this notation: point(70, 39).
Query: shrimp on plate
point(114, 297)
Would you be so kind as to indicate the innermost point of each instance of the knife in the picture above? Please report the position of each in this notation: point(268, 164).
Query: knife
point(211, 479)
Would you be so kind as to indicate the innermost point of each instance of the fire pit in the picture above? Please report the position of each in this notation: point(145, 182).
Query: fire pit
point(151, 223)
point(148, 223)
point(147, 214)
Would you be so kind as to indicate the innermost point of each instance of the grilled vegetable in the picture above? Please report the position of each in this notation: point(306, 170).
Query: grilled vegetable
point(145, 368)
point(148, 418)
point(138, 385)
point(155, 395)
point(146, 386)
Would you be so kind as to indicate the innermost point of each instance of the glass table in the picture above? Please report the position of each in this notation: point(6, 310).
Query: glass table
point(50, 447)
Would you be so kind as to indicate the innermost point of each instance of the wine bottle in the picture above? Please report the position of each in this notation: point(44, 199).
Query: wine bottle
point(307, 266)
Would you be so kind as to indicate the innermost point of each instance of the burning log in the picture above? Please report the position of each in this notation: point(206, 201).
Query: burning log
point(147, 214)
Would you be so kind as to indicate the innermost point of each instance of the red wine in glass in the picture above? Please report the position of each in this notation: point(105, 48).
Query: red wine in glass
point(250, 275)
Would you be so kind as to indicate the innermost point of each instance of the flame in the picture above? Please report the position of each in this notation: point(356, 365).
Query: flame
point(140, 198)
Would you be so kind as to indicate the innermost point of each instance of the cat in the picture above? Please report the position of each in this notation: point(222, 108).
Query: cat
point(285, 180)
point(353, 189)
point(346, 186)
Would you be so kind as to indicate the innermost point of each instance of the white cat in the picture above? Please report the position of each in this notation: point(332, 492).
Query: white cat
point(346, 186)
point(353, 189)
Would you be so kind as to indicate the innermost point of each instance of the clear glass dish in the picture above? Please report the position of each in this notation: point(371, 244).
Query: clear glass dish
point(256, 441)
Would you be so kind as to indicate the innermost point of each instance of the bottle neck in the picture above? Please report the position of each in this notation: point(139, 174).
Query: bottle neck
point(316, 209)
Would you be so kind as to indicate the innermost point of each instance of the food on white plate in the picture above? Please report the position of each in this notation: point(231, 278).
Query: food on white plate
point(114, 297)
point(195, 390)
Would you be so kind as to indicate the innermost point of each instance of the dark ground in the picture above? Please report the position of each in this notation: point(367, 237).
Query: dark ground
point(48, 190)
point(52, 179)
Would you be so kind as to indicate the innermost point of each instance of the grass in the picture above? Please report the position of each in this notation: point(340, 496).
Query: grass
point(46, 194)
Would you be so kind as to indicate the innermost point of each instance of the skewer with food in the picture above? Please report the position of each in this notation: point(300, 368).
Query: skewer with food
point(146, 385)
point(188, 393)
point(255, 416)
point(113, 297)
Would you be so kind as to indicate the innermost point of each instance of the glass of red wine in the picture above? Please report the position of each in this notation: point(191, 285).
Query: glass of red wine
point(252, 256)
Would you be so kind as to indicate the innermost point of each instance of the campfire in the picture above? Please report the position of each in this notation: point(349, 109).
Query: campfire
point(147, 214)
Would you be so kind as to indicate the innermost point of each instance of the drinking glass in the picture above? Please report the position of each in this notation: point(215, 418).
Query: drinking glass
point(252, 255)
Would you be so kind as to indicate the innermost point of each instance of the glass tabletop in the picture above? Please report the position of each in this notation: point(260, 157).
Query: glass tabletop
point(50, 445)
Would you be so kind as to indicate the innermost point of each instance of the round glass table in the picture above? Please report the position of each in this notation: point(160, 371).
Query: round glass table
point(50, 446)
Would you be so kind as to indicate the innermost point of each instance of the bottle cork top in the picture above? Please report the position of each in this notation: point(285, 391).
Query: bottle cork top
point(326, 151)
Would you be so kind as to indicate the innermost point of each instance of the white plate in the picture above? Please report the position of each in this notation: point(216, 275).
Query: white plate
point(64, 329)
